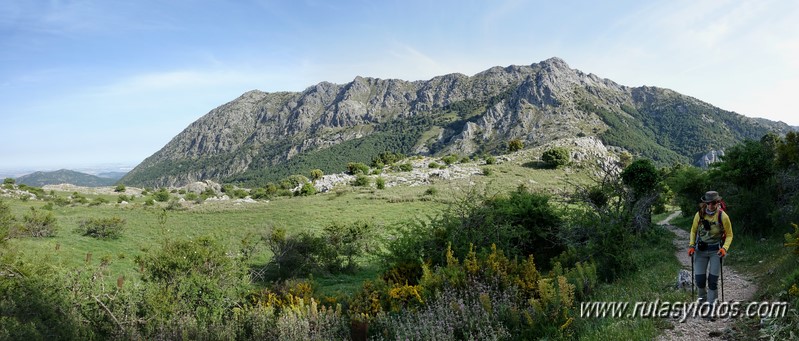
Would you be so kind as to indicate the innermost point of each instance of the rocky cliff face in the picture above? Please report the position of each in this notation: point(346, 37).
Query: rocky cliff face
point(259, 131)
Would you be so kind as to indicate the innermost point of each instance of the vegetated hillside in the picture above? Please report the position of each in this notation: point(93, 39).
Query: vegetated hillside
point(64, 176)
point(262, 137)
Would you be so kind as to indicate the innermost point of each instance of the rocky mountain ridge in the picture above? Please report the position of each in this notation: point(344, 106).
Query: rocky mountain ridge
point(260, 136)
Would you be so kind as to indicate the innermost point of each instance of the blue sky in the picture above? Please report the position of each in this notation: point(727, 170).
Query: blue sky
point(84, 83)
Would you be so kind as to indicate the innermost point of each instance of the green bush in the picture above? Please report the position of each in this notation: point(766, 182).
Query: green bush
point(308, 189)
point(490, 160)
point(36, 305)
point(102, 228)
point(162, 195)
point(450, 159)
point(357, 168)
point(316, 174)
point(405, 167)
point(515, 145)
point(362, 180)
point(380, 182)
point(688, 184)
point(346, 243)
point(120, 188)
point(98, 201)
point(79, 198)
point(293, 256)
point(386, 158)
point(36, 224)
point(487, 171)
point(431, 191)
point(433, 165)
point(239, 193)
point(9, 181)
point(556, 157)
point(521, 222)
point(259, 193)
point(191, 280)
point(7, 221)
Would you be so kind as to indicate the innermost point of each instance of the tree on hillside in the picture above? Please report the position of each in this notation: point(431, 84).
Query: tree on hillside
point(515, 145)
point(643, 179)
point(316, 174)
point(556, 157)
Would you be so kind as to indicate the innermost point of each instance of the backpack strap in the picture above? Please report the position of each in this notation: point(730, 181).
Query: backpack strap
point(721, 223)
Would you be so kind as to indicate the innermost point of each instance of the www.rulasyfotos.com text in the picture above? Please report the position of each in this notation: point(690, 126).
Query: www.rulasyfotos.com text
point(683, 310)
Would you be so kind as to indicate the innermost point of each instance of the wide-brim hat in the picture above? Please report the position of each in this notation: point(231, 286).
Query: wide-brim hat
point(711, 196)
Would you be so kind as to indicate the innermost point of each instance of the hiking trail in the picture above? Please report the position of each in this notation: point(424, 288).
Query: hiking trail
point(737, 287)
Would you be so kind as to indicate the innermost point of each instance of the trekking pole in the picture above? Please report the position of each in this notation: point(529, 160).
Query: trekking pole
point(721, 269)
point(692, 279)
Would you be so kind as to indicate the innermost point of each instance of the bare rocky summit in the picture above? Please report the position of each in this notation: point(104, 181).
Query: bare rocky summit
point(261, 133)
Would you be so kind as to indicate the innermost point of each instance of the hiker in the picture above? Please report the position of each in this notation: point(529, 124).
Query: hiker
point(711, 236)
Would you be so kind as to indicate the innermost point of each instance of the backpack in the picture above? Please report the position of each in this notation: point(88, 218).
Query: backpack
point(722, 209)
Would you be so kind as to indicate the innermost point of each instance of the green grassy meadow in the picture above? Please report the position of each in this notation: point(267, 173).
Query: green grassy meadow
point(232, 221)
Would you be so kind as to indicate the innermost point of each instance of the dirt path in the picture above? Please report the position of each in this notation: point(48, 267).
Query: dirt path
point(736, 288)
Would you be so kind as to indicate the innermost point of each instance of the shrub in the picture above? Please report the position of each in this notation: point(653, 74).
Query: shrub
point(490, 160)
point(162, 195)
point(98, 201)
point(433, 165)
point(431, 191)
point(521, 222)
point(387, 158)
point(296, 180)
point(37, 306)
point(308, 189)
point(78, 198)
point(7, 221)
point(347, 242)
point(515, 145)
point(207, 193)
point(191, 196)
point(259, 193)
point(120, 188)
point(9, 181)
point(362, 180)
point(37, 224)
point(292, 255)
point(102, 228)
point(380, 182)
point(450, 159)
point(316, 174)
point(487, 171)
point(194, 280)
point(240, 193)
point(556, 157)
point(406, 167)
point(357, 168)
point(174, 204)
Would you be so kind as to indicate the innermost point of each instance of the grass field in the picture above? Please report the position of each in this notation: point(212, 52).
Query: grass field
point(232, 221)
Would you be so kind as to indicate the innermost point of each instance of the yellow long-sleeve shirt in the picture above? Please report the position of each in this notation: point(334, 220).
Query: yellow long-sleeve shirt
point(716, 232)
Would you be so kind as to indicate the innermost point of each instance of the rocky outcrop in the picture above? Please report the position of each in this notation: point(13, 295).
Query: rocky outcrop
point(535, 103)
point(712, 156)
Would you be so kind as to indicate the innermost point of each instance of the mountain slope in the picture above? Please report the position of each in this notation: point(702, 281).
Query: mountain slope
point(64, 176)
point(261, 137)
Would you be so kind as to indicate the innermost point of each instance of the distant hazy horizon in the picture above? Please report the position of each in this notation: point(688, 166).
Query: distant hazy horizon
point(93, 169)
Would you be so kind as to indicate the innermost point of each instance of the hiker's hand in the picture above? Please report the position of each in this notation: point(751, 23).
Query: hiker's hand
point(691, 251)
point(722, 252)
